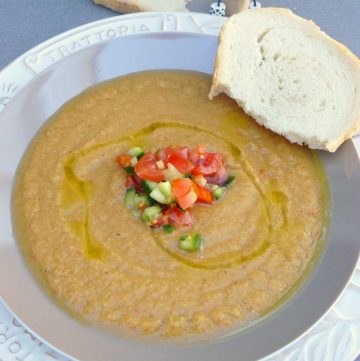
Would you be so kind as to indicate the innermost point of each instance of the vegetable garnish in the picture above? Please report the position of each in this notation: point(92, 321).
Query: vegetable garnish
point(190, 243)
point(164, 186)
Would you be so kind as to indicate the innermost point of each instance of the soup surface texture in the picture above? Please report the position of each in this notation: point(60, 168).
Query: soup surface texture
point(107, 267)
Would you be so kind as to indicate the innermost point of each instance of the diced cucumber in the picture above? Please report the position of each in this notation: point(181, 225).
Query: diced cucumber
point(149, 186)
point(136, 152)
point(151, 215)
point(130, 198)
point(168, 228)
point(230, 180)
point(219, 192)
point(190, 243)
point(163, 193)
point(172, 173)
point(141, 201)
point(160, 164)
point(129, 170)
point(150, 200)
point(166, 189)
point(133, 161)
point(158, 196)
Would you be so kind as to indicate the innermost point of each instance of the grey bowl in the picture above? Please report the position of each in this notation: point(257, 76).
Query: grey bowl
point(68, 77)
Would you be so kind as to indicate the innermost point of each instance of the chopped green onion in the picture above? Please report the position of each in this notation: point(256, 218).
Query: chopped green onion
point(130, 198)
point(187, 175)
point(151, 215)
point(160, 164)
point(190, 243)
point(219, 192)
point(129, 170)
point(133, 161)
point(136, 152)
point(168, 228)
point(230, 180)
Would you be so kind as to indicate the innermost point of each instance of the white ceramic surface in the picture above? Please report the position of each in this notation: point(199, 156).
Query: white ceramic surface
point(336, 337)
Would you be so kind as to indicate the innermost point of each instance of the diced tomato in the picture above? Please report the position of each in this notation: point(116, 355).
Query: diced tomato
point(178, 217)
point(181, 186)
point(203, 195)
point(124, 160)
point(219, 178)
point(180, 151)
point(187, 200)
point(184, 192)
point(147, 169)
point(211, 164)
point(197, 154)
point(181, 164)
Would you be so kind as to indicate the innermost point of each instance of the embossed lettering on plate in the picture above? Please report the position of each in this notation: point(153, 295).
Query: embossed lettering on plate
point(6, 93)
point(19, 344)
point(48, 55)
point(55, 49)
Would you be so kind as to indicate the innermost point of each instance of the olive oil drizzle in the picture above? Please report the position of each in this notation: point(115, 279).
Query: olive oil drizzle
point(79, 190)
point(226, 260)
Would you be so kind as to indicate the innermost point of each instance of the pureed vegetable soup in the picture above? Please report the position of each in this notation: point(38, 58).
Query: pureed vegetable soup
point(119, 255)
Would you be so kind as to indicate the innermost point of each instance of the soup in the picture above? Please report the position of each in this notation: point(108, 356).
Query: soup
point(107, 267)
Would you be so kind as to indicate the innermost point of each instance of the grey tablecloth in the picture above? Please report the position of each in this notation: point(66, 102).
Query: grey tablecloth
point(25, 23)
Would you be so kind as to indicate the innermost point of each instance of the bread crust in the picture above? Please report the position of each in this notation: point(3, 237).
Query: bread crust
point(121, 6)
point(218, 86)
point(126, 6)
point(332, 146)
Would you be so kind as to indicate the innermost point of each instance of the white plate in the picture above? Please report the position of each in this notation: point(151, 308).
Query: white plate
point(340, 327)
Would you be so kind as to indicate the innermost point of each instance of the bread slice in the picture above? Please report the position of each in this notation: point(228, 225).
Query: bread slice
point(289, 76)
point(128, 6)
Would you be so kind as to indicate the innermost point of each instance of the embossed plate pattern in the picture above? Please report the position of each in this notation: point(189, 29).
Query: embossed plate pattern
point(340, 327)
